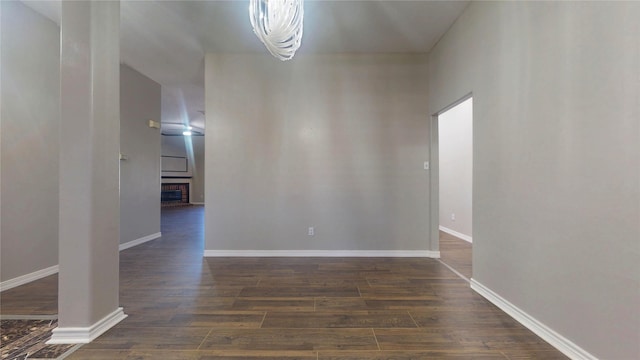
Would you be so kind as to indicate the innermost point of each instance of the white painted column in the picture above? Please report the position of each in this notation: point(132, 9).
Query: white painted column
point(89, 171)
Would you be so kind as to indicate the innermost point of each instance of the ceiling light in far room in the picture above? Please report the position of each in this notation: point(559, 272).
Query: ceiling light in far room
point(278, 24)
point(186, 133)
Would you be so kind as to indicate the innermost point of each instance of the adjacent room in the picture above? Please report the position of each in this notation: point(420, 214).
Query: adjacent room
point(400, 180)
point(455, 183)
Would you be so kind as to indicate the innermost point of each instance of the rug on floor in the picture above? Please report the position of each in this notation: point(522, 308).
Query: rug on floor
point(25, 339)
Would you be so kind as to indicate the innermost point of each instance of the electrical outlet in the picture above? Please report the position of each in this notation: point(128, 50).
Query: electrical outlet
point(453, 217)
point(311, 231)
point(426, 165)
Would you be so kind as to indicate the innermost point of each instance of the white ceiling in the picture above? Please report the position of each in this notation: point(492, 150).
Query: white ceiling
point(167, 40)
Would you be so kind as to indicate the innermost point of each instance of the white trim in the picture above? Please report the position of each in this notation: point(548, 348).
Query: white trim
point(139, 241)
point(21, 280)
point(197, 203)
point(178, 180)
point(462, 236)
point(322, 253)
point(85, 335)
point(454, 271)
point(37, 275)
point(556, 340)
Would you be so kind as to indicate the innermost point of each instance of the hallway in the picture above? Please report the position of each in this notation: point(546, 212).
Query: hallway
point(456, 253)
point(182, 306)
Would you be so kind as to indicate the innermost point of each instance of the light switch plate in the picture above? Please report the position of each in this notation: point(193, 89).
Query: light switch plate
point(154, 124)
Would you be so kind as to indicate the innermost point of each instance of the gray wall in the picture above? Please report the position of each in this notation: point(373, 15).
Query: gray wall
point(198, 174)
point(335, 142)
point(455, 141)
point(30, 116)
point(140, 174)
point(175, 146)
point(556, 153)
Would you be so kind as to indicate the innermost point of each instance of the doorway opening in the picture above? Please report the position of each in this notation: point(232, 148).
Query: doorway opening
point(454, 164)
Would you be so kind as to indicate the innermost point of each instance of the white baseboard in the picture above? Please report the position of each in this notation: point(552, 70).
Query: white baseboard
point(139, 241)
point(556, 340)
point(197, 203)
point(322, 253)
point(84, 335)
point(21, 280)
point(36, 275)
point(456, 234)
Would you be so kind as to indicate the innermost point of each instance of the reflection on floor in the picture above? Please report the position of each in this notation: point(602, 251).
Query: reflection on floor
point(456, 253)
point(184, 306)
point(25, 339)
point(36, 298)
point(28, 314)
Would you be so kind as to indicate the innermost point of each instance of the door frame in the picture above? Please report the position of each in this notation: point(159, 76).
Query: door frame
point(434, 173)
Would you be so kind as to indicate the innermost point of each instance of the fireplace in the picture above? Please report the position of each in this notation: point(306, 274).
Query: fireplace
point(172, 195)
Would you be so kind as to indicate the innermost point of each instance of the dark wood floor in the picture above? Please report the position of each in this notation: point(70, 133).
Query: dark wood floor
point(456, 253)
point(182, 306)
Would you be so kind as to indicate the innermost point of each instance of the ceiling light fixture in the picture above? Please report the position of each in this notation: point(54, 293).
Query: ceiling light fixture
point(278, 24)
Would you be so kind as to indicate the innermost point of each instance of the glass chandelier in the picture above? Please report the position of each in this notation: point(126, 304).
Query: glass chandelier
point(278, 24)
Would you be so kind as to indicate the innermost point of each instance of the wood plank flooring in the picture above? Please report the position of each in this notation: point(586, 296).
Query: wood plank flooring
point(182, 306)
point(456, 253)
point(35, 298)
